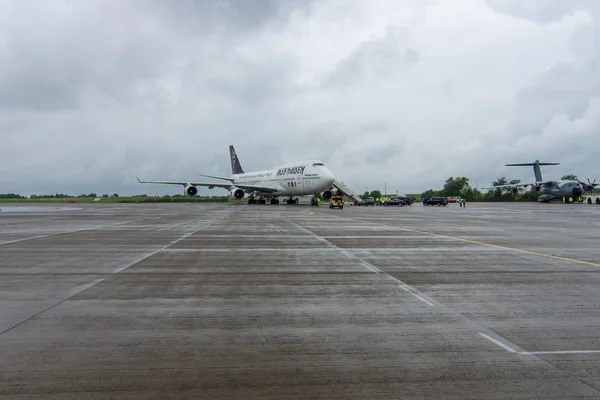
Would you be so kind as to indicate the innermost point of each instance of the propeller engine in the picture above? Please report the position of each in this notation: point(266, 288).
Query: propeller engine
point(589, 186)
point(577, 191)
point(536, 187)
point(237, 194)
point(190, 190)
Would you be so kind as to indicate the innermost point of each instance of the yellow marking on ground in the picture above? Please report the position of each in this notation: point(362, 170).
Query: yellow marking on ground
point(535, 253)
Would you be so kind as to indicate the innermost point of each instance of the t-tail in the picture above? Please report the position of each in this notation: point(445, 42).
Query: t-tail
point(537, 171)
point(236, 167)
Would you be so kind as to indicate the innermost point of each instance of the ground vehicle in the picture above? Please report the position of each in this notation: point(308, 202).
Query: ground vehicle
point(407, 200)
point(336, 201)
point(454, 199)
point(396, 201)
point(436, 201)
point(369, 201)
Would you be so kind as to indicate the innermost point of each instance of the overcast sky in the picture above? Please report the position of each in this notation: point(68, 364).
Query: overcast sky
point(408, 92)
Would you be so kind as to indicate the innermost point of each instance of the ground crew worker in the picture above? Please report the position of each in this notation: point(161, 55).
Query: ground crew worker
point(563, 199)
point(570, 199)
point(318, 201)
point(464, 202)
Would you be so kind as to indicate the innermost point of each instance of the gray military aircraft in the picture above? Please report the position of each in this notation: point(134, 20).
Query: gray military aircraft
point(551, 190)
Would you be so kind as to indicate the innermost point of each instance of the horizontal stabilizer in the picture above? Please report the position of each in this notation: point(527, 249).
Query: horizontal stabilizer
point(531, 164)
point(537, 171)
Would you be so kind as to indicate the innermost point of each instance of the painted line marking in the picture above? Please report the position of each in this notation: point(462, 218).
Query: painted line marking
point(92, 228)
point(83, 287)
point(404, 286)
point(409, 289)
point(511, 350)
point(535, 253)
point(566, 352)
point(499, 343)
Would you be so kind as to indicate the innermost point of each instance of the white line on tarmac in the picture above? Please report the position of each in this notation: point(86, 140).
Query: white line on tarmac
point(499, 343)
point(566, 352)
point(511, 350)
point(86, 286)
point(411, 290)
point(97, 227)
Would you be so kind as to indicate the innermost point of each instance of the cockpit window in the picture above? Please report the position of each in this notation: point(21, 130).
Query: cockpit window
point(318, 164)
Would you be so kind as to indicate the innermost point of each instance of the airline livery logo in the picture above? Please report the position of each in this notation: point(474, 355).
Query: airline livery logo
point(291, 171)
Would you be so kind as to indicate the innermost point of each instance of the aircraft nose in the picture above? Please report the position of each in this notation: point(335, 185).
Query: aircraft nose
point(577, 191)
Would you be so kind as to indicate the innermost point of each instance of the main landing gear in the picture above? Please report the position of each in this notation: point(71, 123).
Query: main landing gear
point(254, 200)
point(261, 200)
point(272, 200)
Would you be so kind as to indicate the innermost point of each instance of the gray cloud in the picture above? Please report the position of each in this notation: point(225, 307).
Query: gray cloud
point(539, 11)
point(375, 59)
point(557, 114)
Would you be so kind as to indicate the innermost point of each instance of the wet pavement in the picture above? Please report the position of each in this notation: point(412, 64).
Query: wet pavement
point(495, 301)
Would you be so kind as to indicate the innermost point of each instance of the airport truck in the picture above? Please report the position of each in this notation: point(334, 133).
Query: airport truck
point(336, 201)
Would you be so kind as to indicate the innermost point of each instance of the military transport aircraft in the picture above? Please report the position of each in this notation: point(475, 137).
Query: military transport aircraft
point(302, 178)
point(551, 190)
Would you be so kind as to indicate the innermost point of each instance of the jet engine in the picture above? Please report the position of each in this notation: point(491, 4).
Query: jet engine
point(237, 194)
point(191, 190)
point(327, 194)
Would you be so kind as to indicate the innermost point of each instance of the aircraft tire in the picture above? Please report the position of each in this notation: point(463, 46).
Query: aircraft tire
point(597, 200)
point(589, 200)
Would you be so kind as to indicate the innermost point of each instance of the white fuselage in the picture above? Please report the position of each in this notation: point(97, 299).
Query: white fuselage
point(297, 179)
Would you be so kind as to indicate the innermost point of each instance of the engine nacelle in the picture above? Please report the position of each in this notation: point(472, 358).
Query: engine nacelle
point(237, 194)
point(327, 194)
point(190, 190)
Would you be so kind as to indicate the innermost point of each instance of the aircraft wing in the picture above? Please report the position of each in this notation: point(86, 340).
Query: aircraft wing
point(516, 185)
point(338, 185)
point(209, 185)
point(228, 186)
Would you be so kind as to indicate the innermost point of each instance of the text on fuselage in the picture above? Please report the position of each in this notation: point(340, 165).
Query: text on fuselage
point(291, 171)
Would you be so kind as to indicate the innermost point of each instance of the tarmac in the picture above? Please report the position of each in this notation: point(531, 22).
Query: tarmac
point(212, 301)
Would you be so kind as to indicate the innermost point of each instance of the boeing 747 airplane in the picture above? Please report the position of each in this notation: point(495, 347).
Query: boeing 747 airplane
point(302, 178)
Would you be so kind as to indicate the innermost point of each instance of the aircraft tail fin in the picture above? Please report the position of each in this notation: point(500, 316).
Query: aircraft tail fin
point(537, 171)
point(236, 167)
